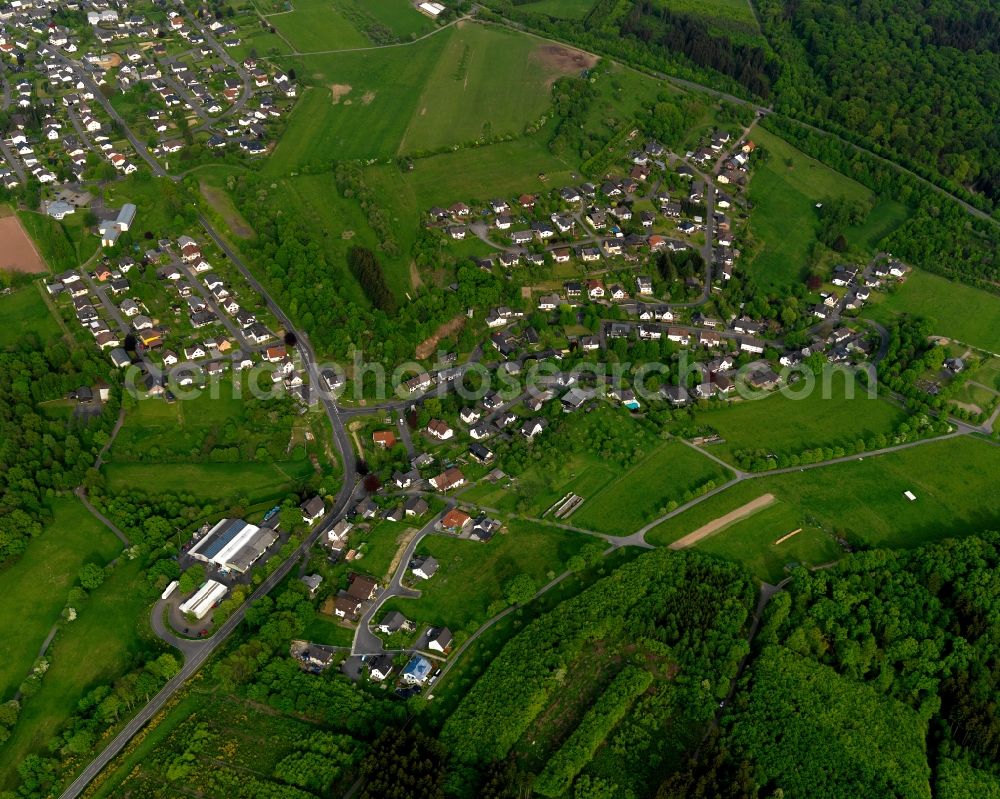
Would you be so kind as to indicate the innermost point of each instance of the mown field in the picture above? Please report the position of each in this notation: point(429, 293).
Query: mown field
point(104, 640)
point(787, 187)
point(25, 311)
point(786, 425)
point(753, 541)
point(210, 481)
point(632, 498)
point(952, 479)
point(35, 586)
point(958, 311)
point(457, 86)
point(472, 574)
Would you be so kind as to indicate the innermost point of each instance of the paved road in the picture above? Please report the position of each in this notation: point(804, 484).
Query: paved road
point(365, 641)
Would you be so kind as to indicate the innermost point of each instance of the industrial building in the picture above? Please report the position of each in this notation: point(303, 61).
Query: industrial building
point(233, 545)
point(204, 599)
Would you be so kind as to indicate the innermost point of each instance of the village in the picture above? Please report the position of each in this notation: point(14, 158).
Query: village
point(102, 88)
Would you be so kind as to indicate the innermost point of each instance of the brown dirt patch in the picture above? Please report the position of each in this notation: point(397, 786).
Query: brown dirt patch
point(426, 348)
point(339, 91)
point(559, 60)
point(17, 251)
point(367, 97)
point(716, 525)
point(415, 280)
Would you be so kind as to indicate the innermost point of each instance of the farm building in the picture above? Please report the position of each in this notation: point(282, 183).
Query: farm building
point(233, 544)
point(204, 599)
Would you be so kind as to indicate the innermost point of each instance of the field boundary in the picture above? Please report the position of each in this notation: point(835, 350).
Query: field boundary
point(719, 524)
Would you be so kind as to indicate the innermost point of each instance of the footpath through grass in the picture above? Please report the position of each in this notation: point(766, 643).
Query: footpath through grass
point(106, 638)
point(35, 586)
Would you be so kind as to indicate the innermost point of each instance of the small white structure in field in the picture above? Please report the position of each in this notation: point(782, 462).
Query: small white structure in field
point(909, 495)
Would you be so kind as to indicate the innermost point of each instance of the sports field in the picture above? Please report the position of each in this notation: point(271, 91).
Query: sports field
point(956, 310)
point(34, 586)
point(457, 86)
point(17, 251)
point(788, 186)
point(953, 481)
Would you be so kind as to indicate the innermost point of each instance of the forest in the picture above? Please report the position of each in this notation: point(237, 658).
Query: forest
point(41, 454)
point(919, 81)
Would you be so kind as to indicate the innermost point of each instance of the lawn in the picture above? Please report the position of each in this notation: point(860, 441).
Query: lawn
point(786, 425)
point(988, 374)
point(34, 586)
point(636, 496)
point(948, 305)
point(472, 574)
point(788, 186)
point(864, 499)
point(379, 546)
point(753, 542)
point(25, 311)
point(101, 644)
point(318, 25)
point(882, 220)
point(325, 630)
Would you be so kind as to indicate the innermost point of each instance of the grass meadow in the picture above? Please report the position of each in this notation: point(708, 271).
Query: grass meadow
point(34, 586)
point(632, 498)
point(732, 17)
point(787, 425)
point(883, 219)
point(788, 186)
point(451, 88)
point(25, 311)
point(472, 574)
point(399, 16)
point(210, 481)
point(318, 25)
point(956, 310)
point(101, 644)
point(953, 480)
point(561, 9)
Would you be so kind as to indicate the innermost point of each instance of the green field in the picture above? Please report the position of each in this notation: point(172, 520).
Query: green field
point(882, 220)
point(472, 574)
point(25, 311)
point(636, 496)
point(560, 9)
point(450, 88)
point(317, 25)
point(63, 245)
point(952, 479)
point(96, 648)
point(35, 586)
point(725, 16)
point(211, 481)
point(787, 425)
point(958, 311)
point(752, 542)
point(788, 186)
point(399, 16)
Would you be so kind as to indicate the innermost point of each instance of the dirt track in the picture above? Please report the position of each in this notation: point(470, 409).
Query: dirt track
point(17, 251)
point(715, 525)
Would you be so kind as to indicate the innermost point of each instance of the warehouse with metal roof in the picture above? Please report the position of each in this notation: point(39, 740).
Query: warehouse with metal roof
point(234, 545)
